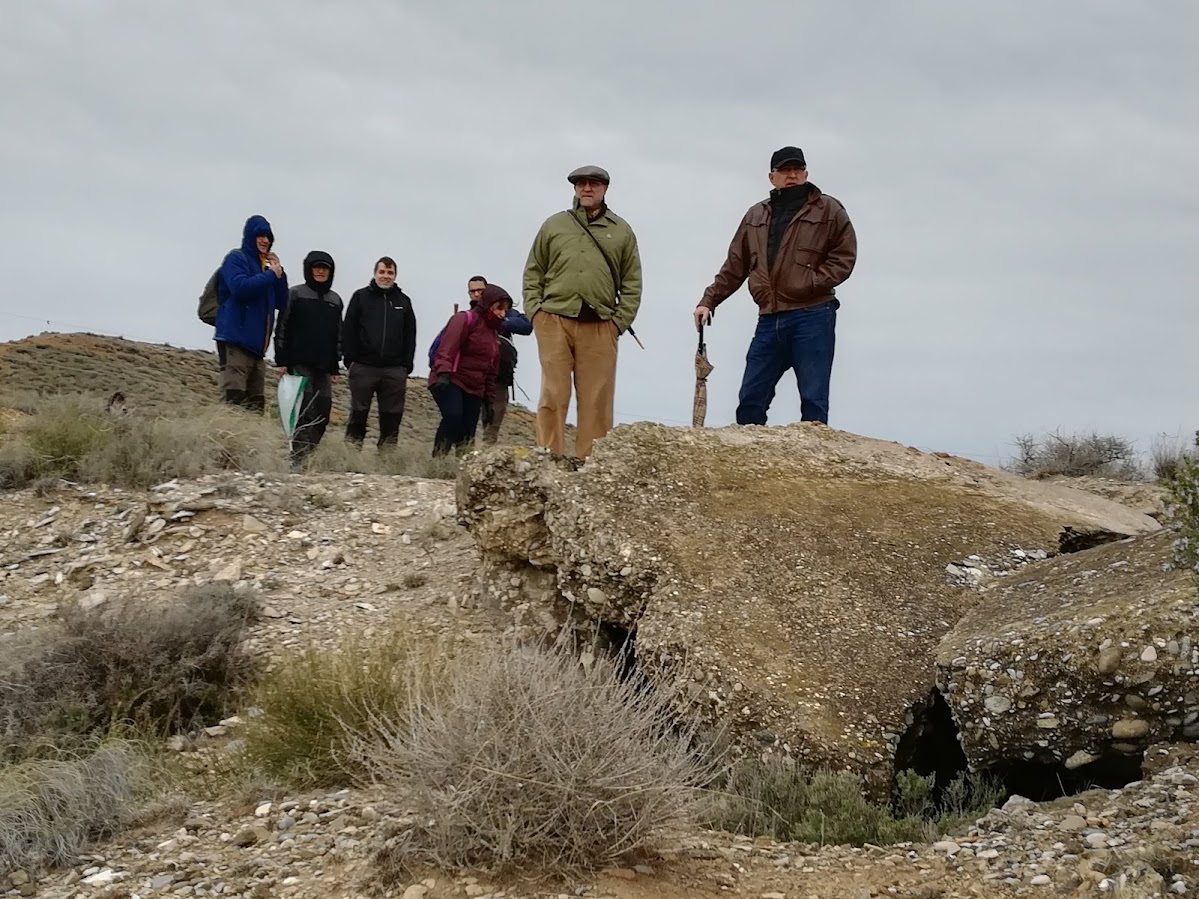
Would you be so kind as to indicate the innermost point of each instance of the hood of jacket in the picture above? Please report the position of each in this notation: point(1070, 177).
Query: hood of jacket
point(255, 227)
point(493, 294)
point(312, 259)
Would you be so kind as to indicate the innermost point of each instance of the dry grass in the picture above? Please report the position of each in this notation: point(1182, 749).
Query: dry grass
point(162, 380)
point(524, 760)
point(156, 668)
point(73, 438)
point(1167, 456)
point(318, 702)
point(51, 809)
point(1076, 455)
point(409, 458)
point(779, 799)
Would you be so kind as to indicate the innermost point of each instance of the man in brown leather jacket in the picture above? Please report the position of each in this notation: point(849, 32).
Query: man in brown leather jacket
point(795, 248)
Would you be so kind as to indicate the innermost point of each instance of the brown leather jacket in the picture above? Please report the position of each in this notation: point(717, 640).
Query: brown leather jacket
point(817, 253)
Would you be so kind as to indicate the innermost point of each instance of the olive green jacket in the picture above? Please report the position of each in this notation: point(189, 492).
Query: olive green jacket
point(565, 269)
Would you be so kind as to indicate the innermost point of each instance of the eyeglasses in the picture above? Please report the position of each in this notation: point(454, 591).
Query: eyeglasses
point(475, 290)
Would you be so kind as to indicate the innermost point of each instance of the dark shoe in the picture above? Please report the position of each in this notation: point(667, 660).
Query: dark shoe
point(235, 397)
point(256, 404)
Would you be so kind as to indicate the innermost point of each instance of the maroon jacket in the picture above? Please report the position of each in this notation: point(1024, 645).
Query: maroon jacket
point(470, 348)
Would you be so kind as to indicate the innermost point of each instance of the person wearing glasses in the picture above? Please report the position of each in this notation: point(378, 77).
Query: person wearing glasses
point(582, 290)
point(515, 322)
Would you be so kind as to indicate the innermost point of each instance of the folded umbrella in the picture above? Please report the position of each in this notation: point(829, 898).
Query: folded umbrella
point(703, 368)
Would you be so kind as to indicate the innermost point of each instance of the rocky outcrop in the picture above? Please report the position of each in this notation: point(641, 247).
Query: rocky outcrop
point(788, 583)
point(1090, 654)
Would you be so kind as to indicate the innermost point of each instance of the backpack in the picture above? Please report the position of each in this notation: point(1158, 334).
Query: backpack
point(470, 320)
point(508, 357)
point(210, 299)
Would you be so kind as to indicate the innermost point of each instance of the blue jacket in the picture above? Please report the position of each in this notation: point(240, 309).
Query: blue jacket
point(516, 322)
point(249, 295)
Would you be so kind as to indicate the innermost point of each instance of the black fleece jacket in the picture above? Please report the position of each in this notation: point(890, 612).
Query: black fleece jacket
point(380, 328)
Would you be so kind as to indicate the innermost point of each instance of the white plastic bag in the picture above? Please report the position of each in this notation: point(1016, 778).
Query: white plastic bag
point(291, 399)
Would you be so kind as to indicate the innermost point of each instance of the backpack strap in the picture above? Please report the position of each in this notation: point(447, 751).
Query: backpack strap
point(470, 320)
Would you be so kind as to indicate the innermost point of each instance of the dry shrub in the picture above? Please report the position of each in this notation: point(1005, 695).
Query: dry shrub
point(51, 809)
point(73, 437)
point(777, 798)
point(1168, 455)
point(317, 703)
point(154, 667)
point(144, 451)
point(1076, 455)
point(525, 759)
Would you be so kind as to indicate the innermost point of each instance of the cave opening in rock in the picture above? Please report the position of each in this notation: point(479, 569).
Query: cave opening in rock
point(619, 644)
point(1076, 541)
point(931, 746)
point(1043, 782)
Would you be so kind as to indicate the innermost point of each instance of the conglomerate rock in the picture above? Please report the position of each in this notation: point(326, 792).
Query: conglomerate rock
point(788, 584)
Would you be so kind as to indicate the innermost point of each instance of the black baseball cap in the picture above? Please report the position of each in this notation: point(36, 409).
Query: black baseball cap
point(787, 156)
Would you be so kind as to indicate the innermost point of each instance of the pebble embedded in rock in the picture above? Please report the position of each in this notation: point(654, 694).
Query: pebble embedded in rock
point(997, 704)
point(1080, 758)
point(1072, 824)
point(1130, 729)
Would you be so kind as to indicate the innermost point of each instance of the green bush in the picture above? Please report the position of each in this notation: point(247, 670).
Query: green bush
point(317, 703)
point(151, 667)
point(1182, 509)
point(780, 799)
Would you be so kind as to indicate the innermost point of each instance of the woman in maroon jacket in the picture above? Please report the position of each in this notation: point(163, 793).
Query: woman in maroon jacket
point(462, 377)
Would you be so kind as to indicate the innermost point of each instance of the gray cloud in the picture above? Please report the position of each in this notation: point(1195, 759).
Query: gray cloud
point(1020, 177)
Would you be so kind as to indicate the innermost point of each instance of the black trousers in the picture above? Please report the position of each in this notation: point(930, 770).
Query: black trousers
point(390, 384)
point(315, 408)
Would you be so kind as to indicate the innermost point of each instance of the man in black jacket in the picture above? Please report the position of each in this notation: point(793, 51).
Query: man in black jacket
point(308, 343)
point(378, 344)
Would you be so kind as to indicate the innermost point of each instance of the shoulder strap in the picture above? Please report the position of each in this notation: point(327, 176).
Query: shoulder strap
point(611, 267)
point(470, 320)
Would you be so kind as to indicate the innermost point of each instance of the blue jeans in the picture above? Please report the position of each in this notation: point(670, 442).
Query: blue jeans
point(799, 339)
point(459, 419)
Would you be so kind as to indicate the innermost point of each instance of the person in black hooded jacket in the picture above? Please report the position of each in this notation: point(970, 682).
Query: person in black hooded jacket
point(379, 347)
point(308, 343)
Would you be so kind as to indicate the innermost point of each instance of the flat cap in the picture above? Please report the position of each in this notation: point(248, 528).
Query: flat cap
point(591, 172)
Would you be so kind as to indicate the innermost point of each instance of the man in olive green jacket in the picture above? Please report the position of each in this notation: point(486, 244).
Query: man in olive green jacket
point(582, 289)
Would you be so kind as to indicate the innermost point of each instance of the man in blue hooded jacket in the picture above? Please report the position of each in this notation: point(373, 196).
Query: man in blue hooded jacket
point(252, 289)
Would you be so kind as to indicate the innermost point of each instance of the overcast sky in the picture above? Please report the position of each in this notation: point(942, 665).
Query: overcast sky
point(1021, 175)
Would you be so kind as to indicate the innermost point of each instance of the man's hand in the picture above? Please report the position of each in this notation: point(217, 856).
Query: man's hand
point(281, 370)
point(334, 379)
point(703, 316)
point(275, 267)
